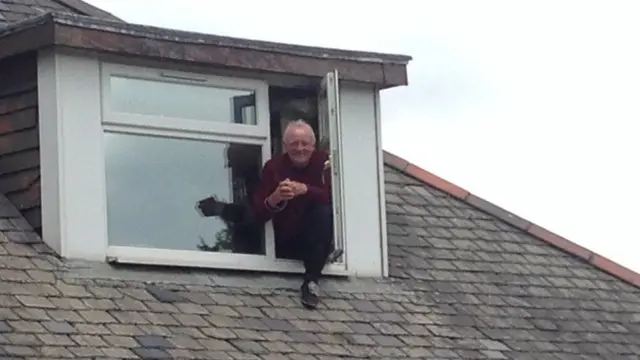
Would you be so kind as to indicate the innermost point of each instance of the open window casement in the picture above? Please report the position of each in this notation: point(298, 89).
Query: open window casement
point(329, 125)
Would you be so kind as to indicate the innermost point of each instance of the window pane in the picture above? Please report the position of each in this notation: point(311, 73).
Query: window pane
point(148, 97)
point(154, 183)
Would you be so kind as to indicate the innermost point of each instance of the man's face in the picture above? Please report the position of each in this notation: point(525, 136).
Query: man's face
point(299, 145)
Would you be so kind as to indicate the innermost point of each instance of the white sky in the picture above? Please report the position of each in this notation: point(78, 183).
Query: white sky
point(529, 104)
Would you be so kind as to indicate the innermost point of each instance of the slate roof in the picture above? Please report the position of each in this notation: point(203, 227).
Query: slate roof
point(464, 285)
point(18, 10)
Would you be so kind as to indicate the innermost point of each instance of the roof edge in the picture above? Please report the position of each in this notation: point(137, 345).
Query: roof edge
point(183, 36)
point(30, 22)
point(530, 228)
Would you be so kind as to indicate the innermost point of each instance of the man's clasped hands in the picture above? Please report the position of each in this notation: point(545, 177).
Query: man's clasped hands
point(287, 190)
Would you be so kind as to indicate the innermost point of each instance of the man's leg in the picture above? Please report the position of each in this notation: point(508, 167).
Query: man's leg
point(229, 212)
point(246, 231)
point(315, 246)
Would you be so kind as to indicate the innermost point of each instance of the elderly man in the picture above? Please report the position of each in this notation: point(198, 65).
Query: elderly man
point(294, 195)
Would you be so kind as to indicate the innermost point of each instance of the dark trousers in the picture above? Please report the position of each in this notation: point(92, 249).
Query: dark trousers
point(312, 245)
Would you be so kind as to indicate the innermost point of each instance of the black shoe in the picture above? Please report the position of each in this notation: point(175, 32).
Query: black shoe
point(334, 256)
point(310, 292)
point(211, 206)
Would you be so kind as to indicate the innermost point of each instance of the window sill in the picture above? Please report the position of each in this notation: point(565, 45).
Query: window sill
point(211, 260)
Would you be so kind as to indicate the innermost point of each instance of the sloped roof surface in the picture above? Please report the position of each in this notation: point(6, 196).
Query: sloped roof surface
point(464, 285)
point(18, 10)
point(504, 283)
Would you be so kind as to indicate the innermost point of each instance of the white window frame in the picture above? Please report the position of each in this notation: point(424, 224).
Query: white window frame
point(167, 127)
point(330, 125)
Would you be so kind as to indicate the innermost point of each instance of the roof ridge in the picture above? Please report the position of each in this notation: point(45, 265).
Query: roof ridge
point(527, 226)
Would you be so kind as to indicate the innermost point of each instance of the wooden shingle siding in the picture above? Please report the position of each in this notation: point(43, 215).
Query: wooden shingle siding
point(19, 140)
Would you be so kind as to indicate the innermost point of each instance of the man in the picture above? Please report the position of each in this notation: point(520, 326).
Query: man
point(295, 193)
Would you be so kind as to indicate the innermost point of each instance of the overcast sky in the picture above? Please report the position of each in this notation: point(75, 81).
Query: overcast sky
point(532, 105)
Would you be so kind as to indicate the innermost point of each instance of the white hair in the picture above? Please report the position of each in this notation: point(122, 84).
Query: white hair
point(298, 124)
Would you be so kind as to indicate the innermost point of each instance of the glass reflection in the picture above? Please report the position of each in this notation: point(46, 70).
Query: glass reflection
point(149, 97)
point(153, 184)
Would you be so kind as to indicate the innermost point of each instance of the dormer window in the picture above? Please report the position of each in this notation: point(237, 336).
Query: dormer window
point(129, 145)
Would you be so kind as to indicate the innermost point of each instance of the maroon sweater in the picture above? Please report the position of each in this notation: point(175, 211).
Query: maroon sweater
point(286, 222)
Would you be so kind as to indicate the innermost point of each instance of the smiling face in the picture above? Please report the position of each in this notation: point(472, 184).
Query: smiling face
point(299, 143)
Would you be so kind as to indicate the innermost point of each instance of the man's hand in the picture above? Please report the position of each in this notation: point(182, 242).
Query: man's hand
point(327, 164)
point(287, 190)
point(298, 188)
point(283, 192)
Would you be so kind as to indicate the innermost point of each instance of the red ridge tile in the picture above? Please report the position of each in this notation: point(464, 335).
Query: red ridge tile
point(560, 242)
point(395, 161)
point(424, 176)
point(436, 181)
point(498, 212)
point(614, 269)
